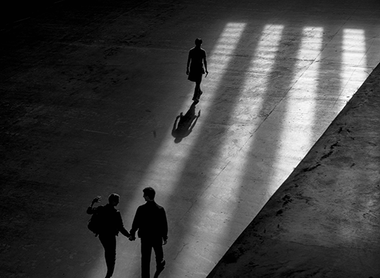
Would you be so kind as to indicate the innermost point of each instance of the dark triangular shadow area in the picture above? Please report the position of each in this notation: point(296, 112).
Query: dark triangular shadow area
point(184, 124)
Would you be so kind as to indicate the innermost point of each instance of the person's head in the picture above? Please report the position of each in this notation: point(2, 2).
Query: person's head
point(149, 194)
point(198, 41)
point(113, 199)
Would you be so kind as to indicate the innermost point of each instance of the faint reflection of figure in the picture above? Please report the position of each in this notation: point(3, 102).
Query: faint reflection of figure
point(194, 69)
point(186, 124)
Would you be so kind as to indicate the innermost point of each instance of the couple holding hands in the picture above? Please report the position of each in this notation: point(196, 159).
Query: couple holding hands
point(149, 222)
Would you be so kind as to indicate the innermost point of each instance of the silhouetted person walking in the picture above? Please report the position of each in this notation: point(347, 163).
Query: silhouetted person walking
point(185, 125)
point(110, 224)
point(151, 223)
point(194, 69)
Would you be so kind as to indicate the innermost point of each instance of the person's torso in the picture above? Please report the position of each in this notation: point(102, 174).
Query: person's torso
point(151, 222)
point(110, 219)
point(197, 55)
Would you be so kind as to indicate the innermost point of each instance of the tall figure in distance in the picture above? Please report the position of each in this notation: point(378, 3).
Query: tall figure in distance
point(151, 223)
point(196, 67)
point(110, 224)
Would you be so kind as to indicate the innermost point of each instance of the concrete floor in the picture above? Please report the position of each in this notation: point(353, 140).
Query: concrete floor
point(324, 220)
point(89, 96)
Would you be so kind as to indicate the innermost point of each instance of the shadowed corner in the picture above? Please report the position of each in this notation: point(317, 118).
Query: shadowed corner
point(184, 124)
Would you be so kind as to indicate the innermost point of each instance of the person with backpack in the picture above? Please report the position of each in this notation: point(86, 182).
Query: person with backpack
point(106, 222)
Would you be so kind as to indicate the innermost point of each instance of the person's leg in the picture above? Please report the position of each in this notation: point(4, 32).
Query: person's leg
point(159, 252)
point(146, 252)
point(195, 95)
point(199, 87)
point(197, 91)
point(109, 244)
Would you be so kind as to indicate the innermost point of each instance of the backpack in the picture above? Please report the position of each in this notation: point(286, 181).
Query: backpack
point(95, 223)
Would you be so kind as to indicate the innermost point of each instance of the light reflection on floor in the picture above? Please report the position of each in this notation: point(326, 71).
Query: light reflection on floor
point(299, 107)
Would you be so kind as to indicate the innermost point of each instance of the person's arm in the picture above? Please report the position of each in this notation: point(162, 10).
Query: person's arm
point(91, 209)
point(188, 64)
point(194, 122)
point(164, 227)
point(205, 63)
point(121, 226)
point(175, 124)
point(135, 225)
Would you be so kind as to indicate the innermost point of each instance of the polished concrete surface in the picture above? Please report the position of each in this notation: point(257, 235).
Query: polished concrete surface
point(90, 94)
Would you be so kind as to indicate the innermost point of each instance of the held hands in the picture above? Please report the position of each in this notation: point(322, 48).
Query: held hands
point(133, 238)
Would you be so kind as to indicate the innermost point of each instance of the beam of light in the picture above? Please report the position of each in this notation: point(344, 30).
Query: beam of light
point(214, 211)
point(298, 109)
point(354, 65)
point(168, 164)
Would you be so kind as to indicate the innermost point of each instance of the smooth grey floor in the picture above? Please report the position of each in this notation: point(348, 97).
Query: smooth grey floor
point(90, 94)
point(323, 221)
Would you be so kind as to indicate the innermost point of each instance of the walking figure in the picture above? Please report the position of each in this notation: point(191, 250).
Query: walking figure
point(186, 124)
point(196, 67)
point(109, 225)
point(151, 223)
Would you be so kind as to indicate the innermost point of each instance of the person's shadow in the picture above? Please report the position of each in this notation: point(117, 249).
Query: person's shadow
point(183, 125)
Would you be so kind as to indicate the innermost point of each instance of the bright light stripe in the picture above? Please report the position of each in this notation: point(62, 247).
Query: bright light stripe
point(163, 173)
point(354, 63)
point(301, 99)
point(250, 102)
point(221, 196)
point(297, 111)
point(220, 58)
